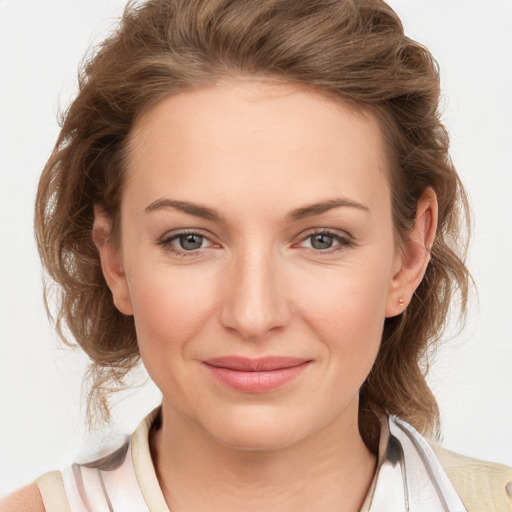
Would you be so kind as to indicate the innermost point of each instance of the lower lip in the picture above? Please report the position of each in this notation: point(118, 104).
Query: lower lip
point(257, 382)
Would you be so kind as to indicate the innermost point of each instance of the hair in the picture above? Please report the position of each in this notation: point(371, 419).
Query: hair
point(353, 51)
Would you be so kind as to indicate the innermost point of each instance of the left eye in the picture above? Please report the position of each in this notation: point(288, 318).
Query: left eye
point(322, 241)
point(190, 241)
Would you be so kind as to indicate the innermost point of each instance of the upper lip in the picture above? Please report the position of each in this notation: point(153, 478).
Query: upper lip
point(246, 364)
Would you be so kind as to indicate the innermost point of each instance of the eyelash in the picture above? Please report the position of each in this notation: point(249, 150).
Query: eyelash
point(343, 242)
point(166, 245)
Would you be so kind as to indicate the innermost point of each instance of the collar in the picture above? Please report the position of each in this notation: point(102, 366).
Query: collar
point(409, 478)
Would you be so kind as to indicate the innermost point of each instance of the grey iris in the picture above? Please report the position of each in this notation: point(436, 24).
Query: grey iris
point(321, 241)
point(191, 242)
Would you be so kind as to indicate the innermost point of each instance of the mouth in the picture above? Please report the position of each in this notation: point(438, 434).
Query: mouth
point(256, 375)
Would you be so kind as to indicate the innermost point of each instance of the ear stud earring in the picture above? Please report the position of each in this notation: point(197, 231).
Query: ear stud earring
point(401, 303)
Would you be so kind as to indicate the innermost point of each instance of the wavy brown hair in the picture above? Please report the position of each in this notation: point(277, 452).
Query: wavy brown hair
point(354, 51)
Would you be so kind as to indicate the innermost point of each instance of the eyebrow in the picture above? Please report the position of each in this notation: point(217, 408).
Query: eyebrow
point(322, 207)
point(294, 215)
point(186, 207)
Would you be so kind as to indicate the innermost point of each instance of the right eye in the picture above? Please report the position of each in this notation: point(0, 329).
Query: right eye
point(185, 243)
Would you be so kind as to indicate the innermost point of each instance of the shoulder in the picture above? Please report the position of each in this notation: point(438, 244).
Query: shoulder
point(46, 494)
point(26, 499)
point(480, 484)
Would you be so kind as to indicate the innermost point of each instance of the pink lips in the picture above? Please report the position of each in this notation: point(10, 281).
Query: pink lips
point(256, 375)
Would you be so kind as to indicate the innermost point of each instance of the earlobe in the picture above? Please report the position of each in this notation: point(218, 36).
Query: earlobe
point(111, 261)
point(413, 258)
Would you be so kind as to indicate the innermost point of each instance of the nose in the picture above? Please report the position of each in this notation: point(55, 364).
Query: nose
point(255, 304)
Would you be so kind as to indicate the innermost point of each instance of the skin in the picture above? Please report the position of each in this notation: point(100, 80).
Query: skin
point(27, 498)
point(259, 285)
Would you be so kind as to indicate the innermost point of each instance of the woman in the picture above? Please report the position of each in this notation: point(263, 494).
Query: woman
point(256, 199)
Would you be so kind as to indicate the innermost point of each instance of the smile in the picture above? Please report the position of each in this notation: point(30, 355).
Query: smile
point(256, 375)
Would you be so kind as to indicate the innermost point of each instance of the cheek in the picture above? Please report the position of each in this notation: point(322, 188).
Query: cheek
point(345, 297)
point(170, 310)
point(169, 307)
point(345, 308)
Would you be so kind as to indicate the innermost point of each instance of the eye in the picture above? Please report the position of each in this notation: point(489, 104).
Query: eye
point(185, 243)
point(321, 241)
point(190, 241)
point(325, 241)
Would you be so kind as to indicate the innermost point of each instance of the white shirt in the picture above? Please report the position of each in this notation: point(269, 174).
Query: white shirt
point(409, 478)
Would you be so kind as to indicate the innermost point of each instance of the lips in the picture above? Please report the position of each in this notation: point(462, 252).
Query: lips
point(256, 375)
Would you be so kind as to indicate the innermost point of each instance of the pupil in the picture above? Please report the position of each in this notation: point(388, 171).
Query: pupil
point(191, 242)
point(322, 241)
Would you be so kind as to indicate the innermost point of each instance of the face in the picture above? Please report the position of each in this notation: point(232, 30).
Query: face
point(258, 259)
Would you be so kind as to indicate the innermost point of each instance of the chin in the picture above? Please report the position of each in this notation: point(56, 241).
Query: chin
point(256, 431)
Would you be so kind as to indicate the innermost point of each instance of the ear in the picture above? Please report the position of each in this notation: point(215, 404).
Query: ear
point(412, 260)
point(111, 260)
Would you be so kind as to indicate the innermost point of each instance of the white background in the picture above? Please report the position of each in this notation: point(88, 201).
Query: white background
point(41, 43)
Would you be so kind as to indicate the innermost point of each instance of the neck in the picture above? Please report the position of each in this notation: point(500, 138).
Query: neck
point(331, 470)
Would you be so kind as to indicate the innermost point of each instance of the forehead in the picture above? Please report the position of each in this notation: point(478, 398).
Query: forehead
point(256, 136)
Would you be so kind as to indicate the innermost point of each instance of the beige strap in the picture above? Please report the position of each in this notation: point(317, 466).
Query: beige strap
point(52, 490)
point(481, 485)
point(143, 464)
